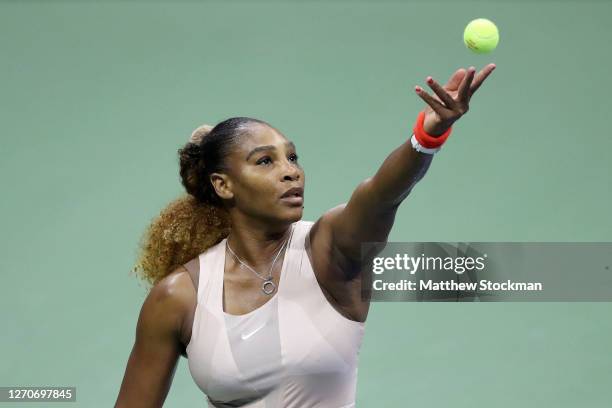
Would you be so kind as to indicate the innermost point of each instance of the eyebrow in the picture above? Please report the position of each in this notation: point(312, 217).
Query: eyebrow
point(268, 147)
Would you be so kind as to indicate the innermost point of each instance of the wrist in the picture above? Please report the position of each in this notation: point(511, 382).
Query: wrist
point(426, 139)
point(420, 148)
point(436, 131)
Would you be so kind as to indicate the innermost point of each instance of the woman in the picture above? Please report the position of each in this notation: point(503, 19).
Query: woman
point(267, 308)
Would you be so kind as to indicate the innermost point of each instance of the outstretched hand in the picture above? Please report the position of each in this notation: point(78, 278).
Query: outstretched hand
point(451, 100)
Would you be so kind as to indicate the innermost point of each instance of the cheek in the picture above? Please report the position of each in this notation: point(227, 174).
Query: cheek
point(258, 187)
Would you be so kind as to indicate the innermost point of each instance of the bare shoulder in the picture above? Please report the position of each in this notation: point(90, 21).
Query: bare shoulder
point(157, 345)
point(321, 230)
point(172, 298)
point(320, 241)
point(175, 288)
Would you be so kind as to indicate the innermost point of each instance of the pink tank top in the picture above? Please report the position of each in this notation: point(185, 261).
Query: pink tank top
point(294, 351)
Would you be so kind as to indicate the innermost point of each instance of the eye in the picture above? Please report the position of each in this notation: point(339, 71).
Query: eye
point(293, 157)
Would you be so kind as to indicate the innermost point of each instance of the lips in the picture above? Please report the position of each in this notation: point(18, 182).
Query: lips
point(293, 200)
point(294, 192)
point(293, 196)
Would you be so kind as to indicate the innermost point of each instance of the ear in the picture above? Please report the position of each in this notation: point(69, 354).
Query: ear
point(222, 185)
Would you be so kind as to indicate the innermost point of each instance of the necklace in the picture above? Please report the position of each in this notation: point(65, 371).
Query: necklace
point(267, 286)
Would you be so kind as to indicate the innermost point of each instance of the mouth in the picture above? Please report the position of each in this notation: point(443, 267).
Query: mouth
point(293, 196)
point(293, 200)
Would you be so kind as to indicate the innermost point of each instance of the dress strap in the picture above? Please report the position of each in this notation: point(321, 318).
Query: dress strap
point(212, 264)
point(295, 256)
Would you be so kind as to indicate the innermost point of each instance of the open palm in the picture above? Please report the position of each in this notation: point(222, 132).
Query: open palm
point(450, 101)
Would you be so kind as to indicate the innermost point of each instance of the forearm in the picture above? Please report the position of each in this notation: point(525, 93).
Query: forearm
point(398, 174)
point(405, 166)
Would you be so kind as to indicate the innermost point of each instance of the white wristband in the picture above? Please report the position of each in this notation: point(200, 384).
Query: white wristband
point(417, 146)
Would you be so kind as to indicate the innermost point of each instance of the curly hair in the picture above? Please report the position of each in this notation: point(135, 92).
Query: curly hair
point(198, 220)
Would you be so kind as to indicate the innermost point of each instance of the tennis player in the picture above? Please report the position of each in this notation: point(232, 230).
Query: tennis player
point(266, 307)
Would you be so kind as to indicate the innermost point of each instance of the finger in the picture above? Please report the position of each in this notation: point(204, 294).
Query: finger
point(465, 85)
point(431, 101)
point(482, 75)
point(444, 96)
point(455, 80)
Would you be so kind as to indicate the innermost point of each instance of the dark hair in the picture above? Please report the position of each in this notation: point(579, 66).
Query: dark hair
point(192, 223)
point(199, 160)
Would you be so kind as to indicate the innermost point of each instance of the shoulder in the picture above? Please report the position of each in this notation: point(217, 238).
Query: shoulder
point(169, 301)
point(320, 232)
point(325, 256)
point(174, 289)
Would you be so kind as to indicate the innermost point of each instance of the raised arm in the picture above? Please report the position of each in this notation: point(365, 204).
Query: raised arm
point(369, 214)
point(157, 347)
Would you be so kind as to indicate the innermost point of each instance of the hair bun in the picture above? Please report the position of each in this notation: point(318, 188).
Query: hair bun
point(199, 133)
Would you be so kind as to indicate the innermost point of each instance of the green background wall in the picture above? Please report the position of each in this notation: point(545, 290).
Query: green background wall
point(96, 98)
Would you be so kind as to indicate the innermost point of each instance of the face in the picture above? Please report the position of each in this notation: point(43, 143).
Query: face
point(263, 167)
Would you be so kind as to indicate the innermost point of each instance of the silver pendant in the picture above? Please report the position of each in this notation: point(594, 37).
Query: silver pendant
point(268, 287)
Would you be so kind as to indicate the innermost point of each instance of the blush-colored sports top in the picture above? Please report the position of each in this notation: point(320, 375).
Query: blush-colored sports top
point(294, 351)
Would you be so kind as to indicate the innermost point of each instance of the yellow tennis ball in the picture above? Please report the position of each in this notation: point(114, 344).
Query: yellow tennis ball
point(481, 36)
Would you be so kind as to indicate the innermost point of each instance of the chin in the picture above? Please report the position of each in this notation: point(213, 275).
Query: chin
point(294, 214)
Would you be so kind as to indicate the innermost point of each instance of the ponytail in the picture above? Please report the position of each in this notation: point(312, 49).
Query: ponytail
point(198, 220)
point(182, 231)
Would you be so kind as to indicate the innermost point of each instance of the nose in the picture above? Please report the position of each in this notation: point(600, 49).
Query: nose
point(290, 171)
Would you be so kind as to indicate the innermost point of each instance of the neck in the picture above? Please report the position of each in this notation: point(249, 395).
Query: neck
point(257, 244)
